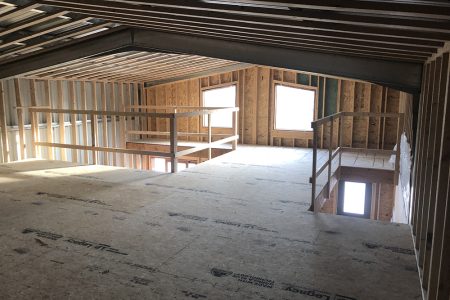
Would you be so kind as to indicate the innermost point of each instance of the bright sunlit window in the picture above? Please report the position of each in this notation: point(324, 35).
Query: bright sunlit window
point(220, 97)
point(294, 108)
point(354, 197)
point(159, 164)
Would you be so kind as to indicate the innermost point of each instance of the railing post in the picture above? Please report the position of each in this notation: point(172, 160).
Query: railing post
point(173, 144)
point(314, 168)
point(330, 157)
point(94, 154)
point(209, 136)
point(235, 129)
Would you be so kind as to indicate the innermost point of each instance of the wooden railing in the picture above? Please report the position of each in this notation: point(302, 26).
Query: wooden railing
point(173, 133)
point(330, 121)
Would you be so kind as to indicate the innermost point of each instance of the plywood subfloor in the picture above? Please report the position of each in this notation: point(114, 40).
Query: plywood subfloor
point(236, 227)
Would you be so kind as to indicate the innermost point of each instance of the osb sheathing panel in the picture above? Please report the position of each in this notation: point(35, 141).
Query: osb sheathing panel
point(255, 98)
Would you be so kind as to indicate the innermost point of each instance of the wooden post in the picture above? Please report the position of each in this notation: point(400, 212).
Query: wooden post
point(122, 125)
point(62, 129)
point(49, 119)
point(20, 119)
point(94, 122)
point(93, 138)
point(34, 120)
point(130, 157)
point(314, 168)
point(173, 144)
point(104, 124)
point(235, 129)
point(5, 146)
point(84, 121)
point(330, 157)
point(209, 136)
point(34, 134)
point(112, 100)
point(73, 120)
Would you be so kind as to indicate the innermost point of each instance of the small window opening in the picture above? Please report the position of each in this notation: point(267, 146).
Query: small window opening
point(220, 97)
point(354, 199)
point(294, 108)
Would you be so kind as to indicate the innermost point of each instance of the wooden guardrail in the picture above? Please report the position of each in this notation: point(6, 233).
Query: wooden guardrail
point(332, 153)
point(174, 114)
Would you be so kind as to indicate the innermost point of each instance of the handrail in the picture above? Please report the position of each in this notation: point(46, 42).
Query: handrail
point(352, 114)
point(326, 190)
point(174, 154)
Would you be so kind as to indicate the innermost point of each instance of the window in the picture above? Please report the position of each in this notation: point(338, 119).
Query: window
point(159, 164)
point(294, 108)
point(220, 97)
point(354, 199)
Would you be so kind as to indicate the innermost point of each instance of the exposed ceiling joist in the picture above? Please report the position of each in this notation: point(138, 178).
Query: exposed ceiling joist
point(363, 28)
point(401, 75)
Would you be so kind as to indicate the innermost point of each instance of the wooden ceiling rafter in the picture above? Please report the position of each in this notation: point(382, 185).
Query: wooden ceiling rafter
point(361, 32)
point(91, 7)
point(106, 65)
point(287, 36)
point(126, 64)
point(33, 26)
point(190, 8)
point(135, 65)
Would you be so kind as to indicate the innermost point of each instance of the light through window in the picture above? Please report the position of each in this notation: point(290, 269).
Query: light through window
point(354, 197)
point(220, 97)
point(159, 164)
point(294, 108)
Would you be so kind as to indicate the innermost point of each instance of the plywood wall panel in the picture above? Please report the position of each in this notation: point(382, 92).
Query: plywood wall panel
point(360, 124)
point(392, 106)
point(250, 114)
point(347, 100)
point(256, 100)
point(194, 100)
point(263, 106)
point(375, 123)
point(182, 100)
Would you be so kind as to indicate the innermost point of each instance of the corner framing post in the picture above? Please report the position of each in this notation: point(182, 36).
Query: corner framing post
point(209, 136)
point(173, 144)
point(235, 129)
point(314, 167)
